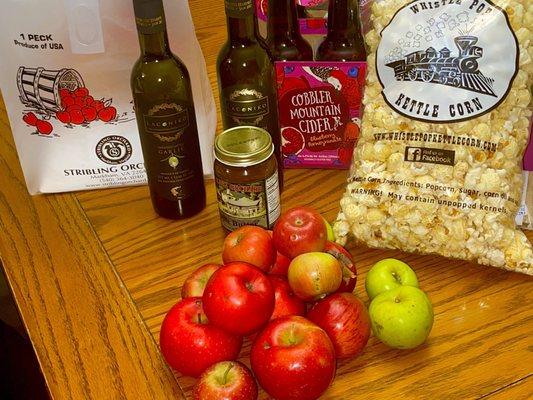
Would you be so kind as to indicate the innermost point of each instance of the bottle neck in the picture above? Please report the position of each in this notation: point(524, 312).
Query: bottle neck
point(155, 44)
point(241, 20)
point(282, 19)
point(151, 26)
point(343, 19)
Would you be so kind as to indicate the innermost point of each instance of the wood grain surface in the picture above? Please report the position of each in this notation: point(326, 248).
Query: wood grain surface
point(74, 260)
point(89, 339)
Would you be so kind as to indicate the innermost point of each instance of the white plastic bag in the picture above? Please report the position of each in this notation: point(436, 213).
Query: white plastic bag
point(51, 49)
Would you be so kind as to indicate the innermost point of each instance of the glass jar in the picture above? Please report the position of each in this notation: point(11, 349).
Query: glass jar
point(246, 178)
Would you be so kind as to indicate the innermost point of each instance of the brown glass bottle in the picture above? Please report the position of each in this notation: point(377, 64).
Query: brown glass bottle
point(344, 41)
point(246, 75)
point(166, 119)
point(283, 33)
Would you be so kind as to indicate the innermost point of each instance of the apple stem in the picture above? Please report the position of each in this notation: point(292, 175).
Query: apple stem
point(201, 321)
point(292, 337)
point(230, 366)
point(397, 277)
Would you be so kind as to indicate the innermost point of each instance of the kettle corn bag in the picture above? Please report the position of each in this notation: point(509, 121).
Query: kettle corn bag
point(437, 169)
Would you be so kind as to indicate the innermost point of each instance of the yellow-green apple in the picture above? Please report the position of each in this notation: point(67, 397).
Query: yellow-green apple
point(190, 343)
point(300, 230)
point(239, 298)
point(287, 303)
point(195, 284)
point(250, 244)
point(293, 359)
point(389, 274)
point(402, 318)
point(226, 380)
point(345, 319)
point(312, 276)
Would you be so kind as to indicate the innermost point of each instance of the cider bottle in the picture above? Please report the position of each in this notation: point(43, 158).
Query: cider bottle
point(246, 75)
point(344, 41)
point(283, 33)
point(166, 119)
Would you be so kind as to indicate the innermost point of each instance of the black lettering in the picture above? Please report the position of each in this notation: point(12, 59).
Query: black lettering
point(399, 101)
point(477, 103)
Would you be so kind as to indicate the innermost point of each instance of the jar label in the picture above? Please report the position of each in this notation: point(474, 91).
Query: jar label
point(169, 145)
point(447, 61)
point(239, 8)
point(256, 203)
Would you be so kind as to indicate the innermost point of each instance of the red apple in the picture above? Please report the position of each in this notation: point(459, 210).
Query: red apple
point(349, 271)
point(287, 303)
point(190, 343)
point(195, 284)
point(227, 380)
point(312, 276)
point(250, 244)
point(346, 321)
point(293, 359)
point(298, 231)
point(281, 265)
point(239, 298)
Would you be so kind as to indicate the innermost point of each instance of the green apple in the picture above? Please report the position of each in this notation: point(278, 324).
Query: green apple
point(389, 274)
point(402, 318)
point(331, 236)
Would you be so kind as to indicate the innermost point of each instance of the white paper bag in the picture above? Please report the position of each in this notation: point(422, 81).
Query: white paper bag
point(49, 52)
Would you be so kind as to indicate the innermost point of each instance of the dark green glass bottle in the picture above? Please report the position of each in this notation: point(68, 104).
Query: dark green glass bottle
point(283, 33)
point(165, 115)
point(246, 75)
point(344, 41)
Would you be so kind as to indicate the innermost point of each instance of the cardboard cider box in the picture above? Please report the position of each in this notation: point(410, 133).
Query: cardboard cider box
point(320, 112)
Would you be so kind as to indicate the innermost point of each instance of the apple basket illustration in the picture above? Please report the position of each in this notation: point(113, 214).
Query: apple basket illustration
point(40, 88)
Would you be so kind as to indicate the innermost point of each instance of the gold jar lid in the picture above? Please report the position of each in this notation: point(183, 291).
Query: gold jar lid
point(243, 146)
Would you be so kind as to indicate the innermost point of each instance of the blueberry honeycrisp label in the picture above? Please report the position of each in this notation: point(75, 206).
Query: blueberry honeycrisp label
point(447, 60)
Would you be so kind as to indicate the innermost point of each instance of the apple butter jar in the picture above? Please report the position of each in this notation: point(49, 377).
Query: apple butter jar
point(246, 178)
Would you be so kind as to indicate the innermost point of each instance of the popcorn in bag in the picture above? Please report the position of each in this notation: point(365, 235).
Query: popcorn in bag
point(437, 169)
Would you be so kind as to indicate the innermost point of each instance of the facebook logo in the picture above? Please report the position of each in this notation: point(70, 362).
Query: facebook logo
point(413, 154)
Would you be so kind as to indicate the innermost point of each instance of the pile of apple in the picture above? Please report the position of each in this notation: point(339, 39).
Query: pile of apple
point(290, 292)
point(401, 313)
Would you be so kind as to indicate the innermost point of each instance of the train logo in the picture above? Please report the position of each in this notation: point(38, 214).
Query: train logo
point(443, 68)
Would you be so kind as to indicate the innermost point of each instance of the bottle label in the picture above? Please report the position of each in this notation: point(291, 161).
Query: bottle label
point(447, 62)
point(149, 16)
point(256, 203)
point(172, 154)
point(239, 8)
point(166, 118)
point(247, 107)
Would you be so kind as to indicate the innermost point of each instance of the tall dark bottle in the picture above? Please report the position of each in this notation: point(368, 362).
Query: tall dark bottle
point(165, 115)
point(246, 75)
point(344, 41)
point(283, 34)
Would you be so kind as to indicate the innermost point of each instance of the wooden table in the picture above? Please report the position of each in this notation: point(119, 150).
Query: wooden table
point(93, 274)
